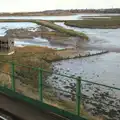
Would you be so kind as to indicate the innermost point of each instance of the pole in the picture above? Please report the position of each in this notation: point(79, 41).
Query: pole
point(13, 76)
point(78, 96)
point(40, 85)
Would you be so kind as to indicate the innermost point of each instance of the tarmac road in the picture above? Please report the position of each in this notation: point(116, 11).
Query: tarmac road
point(25, 111)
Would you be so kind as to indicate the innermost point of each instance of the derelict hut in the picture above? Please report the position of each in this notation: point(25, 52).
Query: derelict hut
point(6, 45)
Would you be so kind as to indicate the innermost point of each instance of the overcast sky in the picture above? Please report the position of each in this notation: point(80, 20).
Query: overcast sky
point(40, 5)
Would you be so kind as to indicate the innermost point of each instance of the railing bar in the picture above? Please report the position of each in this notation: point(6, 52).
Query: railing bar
point(16, 76)
point(36, 68)
point(40, 85)
point(5, 72)
point(61, 75)
point(101, 84)
point(12, 76)
point(83, 81)
point(78, 96)
point(25, 76)
point(59, 89)
point(94, 83)
point(86, 97)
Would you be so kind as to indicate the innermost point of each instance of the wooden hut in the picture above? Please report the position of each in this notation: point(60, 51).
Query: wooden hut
point(6, 45)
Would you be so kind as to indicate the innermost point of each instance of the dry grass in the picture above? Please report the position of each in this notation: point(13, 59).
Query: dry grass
point(33, 49)
point(29, 56)
point(34, 56)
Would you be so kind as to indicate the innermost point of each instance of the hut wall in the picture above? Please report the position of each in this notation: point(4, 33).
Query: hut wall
point(6, 44)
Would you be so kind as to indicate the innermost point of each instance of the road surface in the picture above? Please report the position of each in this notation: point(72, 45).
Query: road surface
point(24, 110)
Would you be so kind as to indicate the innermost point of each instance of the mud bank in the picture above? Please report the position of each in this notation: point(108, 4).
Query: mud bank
point(51, 25)
point(53, 37)
point(73, 53)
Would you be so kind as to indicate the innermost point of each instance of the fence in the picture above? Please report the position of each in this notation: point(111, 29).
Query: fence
point(76, 99)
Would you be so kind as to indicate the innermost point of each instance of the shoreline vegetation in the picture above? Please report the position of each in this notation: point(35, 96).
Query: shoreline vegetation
point(93, 23)
point(61, 29)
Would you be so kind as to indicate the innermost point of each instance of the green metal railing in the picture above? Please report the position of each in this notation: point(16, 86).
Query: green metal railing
point(12, 76)
point(41, 86)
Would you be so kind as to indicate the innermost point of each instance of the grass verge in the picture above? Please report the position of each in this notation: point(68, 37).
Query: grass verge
point(106, 23)
point(61, 29)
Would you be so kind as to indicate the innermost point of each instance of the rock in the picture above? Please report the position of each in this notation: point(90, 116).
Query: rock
point(68, 70)
point(106, 93)
point(55, 77)
point(103, 96)
point(112, 113)
point(68, 96)
point(66, 87)
point(72, 84)
point(98, 76)
point(87, 90)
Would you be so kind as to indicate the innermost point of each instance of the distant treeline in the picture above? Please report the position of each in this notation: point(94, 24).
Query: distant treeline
point(115, 10)
point(62, 12)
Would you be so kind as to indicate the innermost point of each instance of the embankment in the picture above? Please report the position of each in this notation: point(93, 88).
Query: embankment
point(93, 23)
point(51, 26)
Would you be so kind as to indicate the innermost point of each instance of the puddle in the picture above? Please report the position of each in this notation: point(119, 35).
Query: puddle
point(39, 42)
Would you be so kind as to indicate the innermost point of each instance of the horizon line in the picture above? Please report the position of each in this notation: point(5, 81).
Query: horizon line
point(61, 10)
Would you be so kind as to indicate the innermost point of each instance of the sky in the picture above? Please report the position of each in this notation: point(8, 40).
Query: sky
point(41, 5)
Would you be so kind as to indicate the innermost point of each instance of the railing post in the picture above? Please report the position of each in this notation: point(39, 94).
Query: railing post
point(13, 76)
point(78, 96)
point(40, 85)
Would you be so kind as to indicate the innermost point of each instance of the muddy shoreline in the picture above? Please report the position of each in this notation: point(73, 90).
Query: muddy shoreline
point(45, 56)
point(51, 25)
point(55, 38)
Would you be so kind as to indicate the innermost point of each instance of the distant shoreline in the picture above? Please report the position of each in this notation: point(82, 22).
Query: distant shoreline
point(62, 12)
point(37, 14)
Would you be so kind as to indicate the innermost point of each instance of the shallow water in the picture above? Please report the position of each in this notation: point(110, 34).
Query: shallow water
point(12, 25)
point(102, 37)
point(27, 42)
point(38, 42)
point(101, 69)
point(70, 17)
